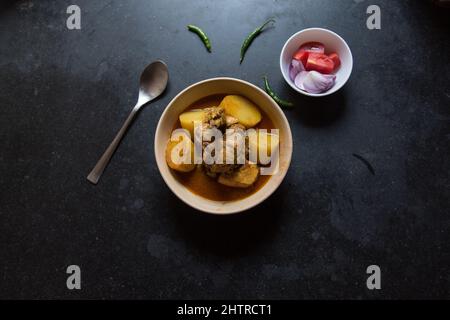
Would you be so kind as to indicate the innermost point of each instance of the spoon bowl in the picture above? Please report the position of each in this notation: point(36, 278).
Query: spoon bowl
point(153, 80)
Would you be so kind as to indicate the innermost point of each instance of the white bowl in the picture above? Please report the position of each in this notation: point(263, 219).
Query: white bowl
point(222, 86)
point(333, 43)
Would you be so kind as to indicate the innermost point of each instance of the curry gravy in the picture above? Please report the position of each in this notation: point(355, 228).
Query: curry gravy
point(199, 183)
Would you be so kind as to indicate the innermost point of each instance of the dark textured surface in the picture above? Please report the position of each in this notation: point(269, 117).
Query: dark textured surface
point(64, 94)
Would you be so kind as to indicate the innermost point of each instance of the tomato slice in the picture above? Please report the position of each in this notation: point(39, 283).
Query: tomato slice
point(335, 57)
point(319, 62)
point(305, 49)
point(301, 56)
point(313, 47)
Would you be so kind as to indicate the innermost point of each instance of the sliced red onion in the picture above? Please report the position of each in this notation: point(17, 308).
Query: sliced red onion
point(295, 68)
point(300, 78)
point(314, 82)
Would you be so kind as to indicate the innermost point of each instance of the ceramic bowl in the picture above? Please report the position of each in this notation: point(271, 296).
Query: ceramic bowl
point(222, 86)
point(333, 43)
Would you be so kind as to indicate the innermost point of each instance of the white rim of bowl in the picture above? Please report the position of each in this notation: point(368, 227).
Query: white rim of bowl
point(275, 187)
point(329, 92)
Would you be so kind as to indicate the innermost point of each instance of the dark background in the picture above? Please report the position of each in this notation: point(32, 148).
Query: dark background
point(64, 94)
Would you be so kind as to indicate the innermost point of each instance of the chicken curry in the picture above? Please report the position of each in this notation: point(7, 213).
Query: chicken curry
point(222, 181)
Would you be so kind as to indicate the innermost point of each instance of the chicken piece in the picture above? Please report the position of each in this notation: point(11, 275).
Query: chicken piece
point(217, 116)
point(244, 177)
point(230, 120)
point(214, 117)
point(232, 131)
point(234, 143)
point(237, 126)
point(214, 169)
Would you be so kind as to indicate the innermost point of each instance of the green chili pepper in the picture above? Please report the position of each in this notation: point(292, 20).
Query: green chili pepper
point(282, 103)
point(248, 41)
point(202, 36)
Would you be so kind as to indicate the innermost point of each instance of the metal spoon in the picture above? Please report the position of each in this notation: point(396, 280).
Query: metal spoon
point(153, 81)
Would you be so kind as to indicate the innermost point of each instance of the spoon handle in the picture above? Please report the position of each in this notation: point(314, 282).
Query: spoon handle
point(96, 173)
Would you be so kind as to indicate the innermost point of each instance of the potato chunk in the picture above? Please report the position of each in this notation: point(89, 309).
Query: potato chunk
point(242, 109)
point(178, 146)
point(263, 143)
point(188, 118)
point(244, 177)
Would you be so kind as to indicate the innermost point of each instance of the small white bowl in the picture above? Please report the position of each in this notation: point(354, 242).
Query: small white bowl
point(333, 43)
point(222, 86)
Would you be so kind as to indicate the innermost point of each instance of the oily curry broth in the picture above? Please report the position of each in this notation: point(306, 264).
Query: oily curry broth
point(199, 183)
